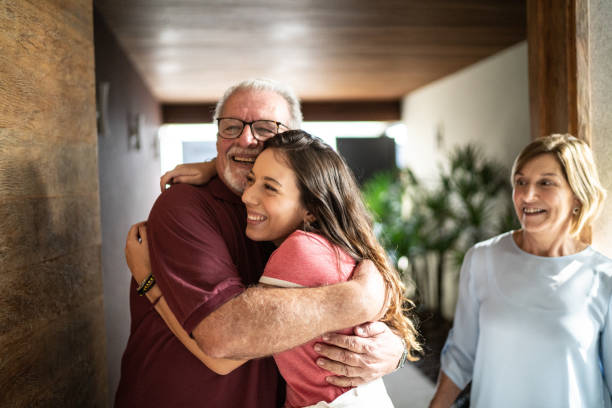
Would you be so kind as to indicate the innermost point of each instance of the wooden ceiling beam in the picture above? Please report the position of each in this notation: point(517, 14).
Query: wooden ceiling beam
point(384, 110)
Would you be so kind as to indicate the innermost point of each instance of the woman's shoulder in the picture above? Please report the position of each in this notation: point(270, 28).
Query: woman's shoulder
point(302, 241)
point(311, 253)
point(496, 243)
point(601, 263)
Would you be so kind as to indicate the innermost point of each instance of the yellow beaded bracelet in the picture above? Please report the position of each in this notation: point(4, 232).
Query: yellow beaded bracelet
point(145, 285)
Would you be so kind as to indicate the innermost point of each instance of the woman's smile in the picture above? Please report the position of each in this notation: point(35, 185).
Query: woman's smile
point(254, 218)
point(272, 199)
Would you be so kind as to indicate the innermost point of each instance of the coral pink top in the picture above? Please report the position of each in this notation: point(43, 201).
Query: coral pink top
point(305, 259)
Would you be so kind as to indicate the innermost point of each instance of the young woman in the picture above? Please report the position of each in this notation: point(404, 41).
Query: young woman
point(302, 197)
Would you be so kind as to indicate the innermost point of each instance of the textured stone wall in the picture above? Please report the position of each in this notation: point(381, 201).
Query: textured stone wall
point(52, 337)
point(600, 45)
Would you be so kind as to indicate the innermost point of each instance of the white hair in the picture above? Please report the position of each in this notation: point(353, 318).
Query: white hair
point(260, 84)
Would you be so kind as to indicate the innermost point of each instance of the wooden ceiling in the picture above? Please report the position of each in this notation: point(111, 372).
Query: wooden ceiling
point(192, 50)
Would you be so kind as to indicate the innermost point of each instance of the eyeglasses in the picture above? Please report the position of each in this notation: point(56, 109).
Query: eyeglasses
point(230, 128)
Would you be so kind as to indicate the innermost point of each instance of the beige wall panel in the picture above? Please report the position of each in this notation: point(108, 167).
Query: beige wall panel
point(600, 36)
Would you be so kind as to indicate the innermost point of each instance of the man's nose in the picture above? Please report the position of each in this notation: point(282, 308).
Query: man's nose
point(247, 139)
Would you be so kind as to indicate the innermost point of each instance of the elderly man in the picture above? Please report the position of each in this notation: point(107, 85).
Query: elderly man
point(203, 263)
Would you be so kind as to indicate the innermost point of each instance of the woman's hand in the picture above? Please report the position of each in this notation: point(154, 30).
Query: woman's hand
point(137, 252)
point(190, 173)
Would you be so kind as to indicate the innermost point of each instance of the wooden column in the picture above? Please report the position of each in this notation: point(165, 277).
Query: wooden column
point(559, 82)
point(559, 86)
point(52, 338)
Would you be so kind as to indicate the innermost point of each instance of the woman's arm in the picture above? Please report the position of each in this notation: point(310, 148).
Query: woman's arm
point(606, 348)
point(137, 257)
point(218, 365)
point(446, 392)
point(190, 173)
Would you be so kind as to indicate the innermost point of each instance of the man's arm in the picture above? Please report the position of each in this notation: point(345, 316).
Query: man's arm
point(263, 321)
point(137, 257)
point(244, 325)
point(220, 366)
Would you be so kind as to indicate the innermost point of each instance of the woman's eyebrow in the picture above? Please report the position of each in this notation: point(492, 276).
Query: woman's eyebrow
point(272, 180)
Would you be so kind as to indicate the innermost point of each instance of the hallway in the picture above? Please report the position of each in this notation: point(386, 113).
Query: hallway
point(409, 388)
point(79, 147)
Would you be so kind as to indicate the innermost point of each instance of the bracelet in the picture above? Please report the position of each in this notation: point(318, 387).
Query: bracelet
point(145, 285)
point(402, 360)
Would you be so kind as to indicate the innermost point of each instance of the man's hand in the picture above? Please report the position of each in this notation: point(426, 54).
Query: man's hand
point(373, 289)
point(137, 252)
point(190, 173)
point(372, 353)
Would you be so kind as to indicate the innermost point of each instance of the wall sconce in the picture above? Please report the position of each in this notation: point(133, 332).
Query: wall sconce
point(135, 128)
point(155, 144)
point(102, 108)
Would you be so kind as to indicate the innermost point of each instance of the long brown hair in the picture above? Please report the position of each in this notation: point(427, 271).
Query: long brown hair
point(329, 191)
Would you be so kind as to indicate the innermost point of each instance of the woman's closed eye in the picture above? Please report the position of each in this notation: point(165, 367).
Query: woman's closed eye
point(270, 187)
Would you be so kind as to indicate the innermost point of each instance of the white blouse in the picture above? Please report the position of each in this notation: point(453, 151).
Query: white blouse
point(532, 331)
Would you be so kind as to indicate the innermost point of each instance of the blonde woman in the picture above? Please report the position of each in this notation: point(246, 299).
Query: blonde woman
point(533, 324)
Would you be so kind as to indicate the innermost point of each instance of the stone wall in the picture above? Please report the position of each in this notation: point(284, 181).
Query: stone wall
point(600, 45)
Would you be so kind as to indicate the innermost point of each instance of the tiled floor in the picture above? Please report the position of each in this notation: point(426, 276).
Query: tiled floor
point(408, 388)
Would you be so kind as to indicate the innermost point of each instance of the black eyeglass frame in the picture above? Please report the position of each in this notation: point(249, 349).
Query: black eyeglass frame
point(244, 123)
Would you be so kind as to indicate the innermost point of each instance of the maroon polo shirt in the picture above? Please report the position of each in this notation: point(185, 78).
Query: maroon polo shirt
point(201, 258)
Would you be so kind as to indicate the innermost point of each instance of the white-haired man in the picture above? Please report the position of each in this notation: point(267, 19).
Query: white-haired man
point(203, 263)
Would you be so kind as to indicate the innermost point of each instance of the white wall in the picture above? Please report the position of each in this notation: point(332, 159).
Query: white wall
point(487, 103)
point(601, 116)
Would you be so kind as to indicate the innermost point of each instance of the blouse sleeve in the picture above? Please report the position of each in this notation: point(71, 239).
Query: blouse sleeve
point(457, 359)
point(606, 348)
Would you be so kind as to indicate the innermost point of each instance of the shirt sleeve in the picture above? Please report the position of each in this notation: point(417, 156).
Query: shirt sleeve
point(304, 260)
point(606, 348)
point(189, 257)
point(458, 353)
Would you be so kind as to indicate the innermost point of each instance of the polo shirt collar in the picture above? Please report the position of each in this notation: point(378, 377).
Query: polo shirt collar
point(222, 192)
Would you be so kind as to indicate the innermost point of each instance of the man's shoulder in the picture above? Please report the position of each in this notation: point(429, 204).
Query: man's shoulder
point(182, 202)
point(187, 195)
point(181, 193)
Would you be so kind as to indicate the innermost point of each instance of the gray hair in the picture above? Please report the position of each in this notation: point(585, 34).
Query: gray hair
point(267, 85)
